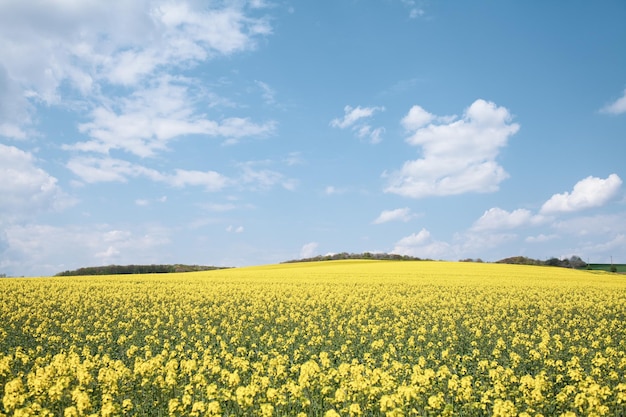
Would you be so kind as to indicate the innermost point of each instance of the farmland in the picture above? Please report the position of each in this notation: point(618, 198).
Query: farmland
point(348, 338)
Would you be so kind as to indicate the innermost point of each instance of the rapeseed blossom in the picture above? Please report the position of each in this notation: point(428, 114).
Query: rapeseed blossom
point(354, 338)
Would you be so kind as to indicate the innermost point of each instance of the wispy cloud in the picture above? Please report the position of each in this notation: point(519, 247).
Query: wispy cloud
point(95, 170)
point(415, 10)
point(356, 118)
point(309, 250)
point(459, 156)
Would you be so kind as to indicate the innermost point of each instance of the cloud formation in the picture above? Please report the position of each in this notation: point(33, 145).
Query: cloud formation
point(587, 193)
point(401, 214)
point(24, 187)
point(421, 245)
point(356, 118)
point(94, 170)
point(93, 45)
point(497, 219)
point(144, 122)
point(458, 156)
point(617, 107)
point(309, 250)
point(36, 247)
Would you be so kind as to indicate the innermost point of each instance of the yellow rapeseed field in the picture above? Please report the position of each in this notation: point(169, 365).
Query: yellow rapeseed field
point(342, 338)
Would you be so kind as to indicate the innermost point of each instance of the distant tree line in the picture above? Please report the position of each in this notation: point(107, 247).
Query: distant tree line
point(364, 255)
point(572, 262)
point(135, 269)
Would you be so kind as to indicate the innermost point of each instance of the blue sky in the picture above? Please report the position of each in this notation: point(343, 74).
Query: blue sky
point(252, 132)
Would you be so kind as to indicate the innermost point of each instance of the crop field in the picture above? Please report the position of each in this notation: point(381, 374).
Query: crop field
point(619, 268)
point(342, 338)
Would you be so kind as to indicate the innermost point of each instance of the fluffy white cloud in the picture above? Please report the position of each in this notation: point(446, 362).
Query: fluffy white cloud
point(416, 118)
point(422, 245)
point(26, 189)
point(93, 44)
point(495, 218)
point(309, 250)
point(458, 156)
point(356, 118)
point(148, 119)
point(617, 107)
point(401, 214)
point(587, 193)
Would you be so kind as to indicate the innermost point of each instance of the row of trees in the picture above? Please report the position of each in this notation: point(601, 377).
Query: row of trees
point(572, 262)
point(364, 255)
point(135, 269)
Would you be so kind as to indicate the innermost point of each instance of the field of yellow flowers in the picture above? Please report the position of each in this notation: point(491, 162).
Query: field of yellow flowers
point(341, 338)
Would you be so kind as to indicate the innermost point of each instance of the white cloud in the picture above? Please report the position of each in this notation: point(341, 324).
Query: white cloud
point(416, 118)
point(423, 246)
point(414, 10)
point(415, 239)
point(355, 119)
point(401, 214)
point(308, 250)
point(596, 225)
point(26, 189)
point(253, 176)
point(233, 229)
point(15, 110)
point(88, 46)
point(458, 156)
point(142, 202)
point(268, 92)
point(617, 107)
point(94, 170)
point(294, 158)
point(149, 118)
point(219, 207)
point(587, 193)
point(540, 238)
point(496, 218)
point(37, 248)
point(210, 180)
point(332, 190)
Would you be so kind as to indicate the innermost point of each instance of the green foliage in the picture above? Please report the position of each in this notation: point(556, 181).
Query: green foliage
point(365, 255)
point(135, 269)
point(572, 262)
